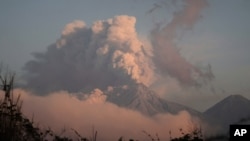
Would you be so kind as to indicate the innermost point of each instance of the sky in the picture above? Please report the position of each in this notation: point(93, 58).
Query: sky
point(219, 38)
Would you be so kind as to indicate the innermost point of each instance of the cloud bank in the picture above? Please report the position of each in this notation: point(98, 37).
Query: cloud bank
point(63, 110)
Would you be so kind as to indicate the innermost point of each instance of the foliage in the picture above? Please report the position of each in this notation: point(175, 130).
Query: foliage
point(195, 135)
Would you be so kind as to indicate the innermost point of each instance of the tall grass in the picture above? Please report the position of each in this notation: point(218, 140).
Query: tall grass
point(14, 126)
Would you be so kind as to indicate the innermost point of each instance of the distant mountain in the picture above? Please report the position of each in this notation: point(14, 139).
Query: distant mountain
point(232, 109)
point(141, 98)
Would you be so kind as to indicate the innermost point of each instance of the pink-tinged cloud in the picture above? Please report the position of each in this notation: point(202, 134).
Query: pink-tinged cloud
point(63, 110)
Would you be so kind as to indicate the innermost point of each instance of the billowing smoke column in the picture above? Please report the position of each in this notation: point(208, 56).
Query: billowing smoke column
point(167, 57)
point(108, 53)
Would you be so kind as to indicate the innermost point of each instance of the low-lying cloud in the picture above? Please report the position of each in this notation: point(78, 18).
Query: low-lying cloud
point(64, 110)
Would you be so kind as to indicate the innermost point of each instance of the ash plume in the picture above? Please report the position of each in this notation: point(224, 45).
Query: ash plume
point(167, 57)
point(106, 54)
point(110, 53)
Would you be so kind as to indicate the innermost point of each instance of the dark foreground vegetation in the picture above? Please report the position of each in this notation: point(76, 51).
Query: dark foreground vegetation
point(14, 126)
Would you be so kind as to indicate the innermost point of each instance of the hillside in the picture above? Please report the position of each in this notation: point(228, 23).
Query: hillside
point(232, 109)
point(139, 97)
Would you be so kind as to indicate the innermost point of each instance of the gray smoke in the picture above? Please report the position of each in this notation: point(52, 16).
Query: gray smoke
point(167, 57)
point(108, 53)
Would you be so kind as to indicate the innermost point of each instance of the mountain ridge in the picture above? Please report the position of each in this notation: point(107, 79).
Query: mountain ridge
point(141, 98)
point(230, 110)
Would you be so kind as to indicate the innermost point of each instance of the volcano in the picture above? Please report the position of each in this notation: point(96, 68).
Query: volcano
point(233, 109)
point(140, 98)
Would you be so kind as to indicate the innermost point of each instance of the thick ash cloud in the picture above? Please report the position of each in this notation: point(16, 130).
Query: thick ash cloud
point(64, 110)
point(167, 57)
point(107, 53)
